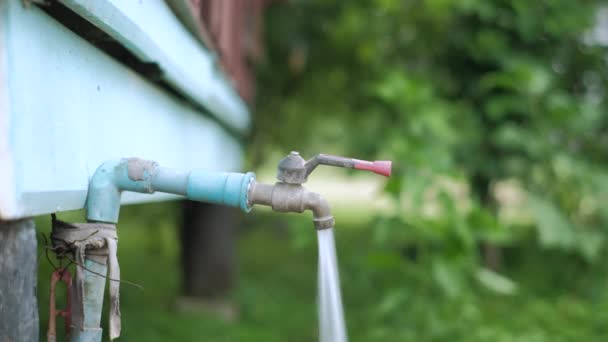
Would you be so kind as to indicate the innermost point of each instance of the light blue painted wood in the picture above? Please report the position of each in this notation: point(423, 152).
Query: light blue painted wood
point(66, 107)
point(154, 34)
point(7, 176)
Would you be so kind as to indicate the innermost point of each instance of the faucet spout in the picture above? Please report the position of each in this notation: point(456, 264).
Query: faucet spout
point(319, 206)
point(293, 198)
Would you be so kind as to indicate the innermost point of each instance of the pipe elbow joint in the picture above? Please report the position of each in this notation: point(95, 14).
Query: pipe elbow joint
point(113, 177)
point(103, 197)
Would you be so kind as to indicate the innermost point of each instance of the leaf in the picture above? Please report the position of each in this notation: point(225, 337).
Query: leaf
point(394, 186)
point(590, 244)
point(496, 282)
point(554, 229)
point(392, 302)
point(448, 277)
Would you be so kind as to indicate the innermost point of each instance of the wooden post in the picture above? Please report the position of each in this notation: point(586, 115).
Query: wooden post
point(18, 278)
point(208, 265)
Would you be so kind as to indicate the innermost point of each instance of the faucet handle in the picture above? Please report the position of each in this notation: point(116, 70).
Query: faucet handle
point(381, 167)
point(293, 169)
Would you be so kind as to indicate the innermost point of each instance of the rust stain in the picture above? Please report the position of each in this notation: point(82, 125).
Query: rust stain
point(64, 276)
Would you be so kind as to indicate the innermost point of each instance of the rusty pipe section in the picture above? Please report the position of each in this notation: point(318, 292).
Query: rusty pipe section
point(292, 198)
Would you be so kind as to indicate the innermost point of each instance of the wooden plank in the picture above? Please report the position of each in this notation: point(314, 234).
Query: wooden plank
point(151, 31)
point(18, 279)
point(73, 107)
point(188, 12)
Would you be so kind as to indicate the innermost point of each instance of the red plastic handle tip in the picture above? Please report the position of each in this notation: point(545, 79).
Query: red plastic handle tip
point(381, 167)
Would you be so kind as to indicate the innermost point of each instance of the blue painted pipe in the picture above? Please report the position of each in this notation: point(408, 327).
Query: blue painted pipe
point(94, 286)
point(133, 174)
point(138, 175)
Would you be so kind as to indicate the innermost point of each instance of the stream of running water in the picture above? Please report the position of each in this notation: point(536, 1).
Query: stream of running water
point(331, 316)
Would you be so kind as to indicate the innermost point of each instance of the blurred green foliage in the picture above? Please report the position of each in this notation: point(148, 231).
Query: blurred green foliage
point(386, 297)
point(464, 95)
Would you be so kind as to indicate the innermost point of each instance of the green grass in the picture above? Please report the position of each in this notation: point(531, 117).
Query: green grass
point(387, 297)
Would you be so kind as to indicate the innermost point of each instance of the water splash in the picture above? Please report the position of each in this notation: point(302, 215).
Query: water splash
point(331, 316)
